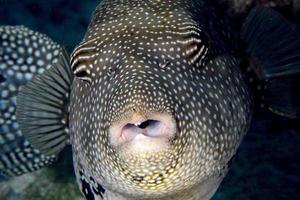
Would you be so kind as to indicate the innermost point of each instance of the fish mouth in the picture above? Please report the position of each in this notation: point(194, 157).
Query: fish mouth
point(143, 133)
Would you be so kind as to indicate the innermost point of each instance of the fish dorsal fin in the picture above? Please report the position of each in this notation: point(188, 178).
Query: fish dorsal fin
point(42, 107)
point(273, 44)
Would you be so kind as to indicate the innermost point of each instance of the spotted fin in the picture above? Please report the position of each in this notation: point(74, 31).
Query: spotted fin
point(23, 54)
point(273, 44)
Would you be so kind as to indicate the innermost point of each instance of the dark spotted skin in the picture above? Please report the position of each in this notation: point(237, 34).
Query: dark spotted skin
point(177, 58)
point(23, 54)
point(88, 189)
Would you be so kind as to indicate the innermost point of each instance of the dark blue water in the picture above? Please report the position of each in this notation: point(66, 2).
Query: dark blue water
point(267, 165)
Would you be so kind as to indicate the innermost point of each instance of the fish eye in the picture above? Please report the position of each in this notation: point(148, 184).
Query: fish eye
point(82, 60)
point(82, 72)
point(196, 44)
point(81, 68)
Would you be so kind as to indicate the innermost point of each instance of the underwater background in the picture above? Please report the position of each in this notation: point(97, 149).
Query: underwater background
point(267, 165)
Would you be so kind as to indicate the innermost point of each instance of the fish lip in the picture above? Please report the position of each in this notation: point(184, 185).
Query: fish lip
point(116, 128)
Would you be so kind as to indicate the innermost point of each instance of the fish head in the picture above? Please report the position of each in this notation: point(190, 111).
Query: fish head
point(151, 114)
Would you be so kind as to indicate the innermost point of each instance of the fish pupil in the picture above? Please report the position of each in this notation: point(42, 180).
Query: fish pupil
point(2, 78)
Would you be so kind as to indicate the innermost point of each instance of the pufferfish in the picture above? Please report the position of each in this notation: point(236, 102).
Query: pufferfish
point(154, 101)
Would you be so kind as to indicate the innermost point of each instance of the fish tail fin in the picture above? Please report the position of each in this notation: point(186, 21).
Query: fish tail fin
point(273, 44)
point(25, 57)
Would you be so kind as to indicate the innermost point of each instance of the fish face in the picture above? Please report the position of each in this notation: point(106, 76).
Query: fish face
point(151, 113)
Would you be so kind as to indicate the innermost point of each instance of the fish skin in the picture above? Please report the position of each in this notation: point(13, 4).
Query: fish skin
point(164, 105)
point(174, 57)
point(17, 156)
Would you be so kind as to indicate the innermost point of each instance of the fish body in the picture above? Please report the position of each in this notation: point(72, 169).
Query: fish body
point(18, 64)
point(153, 100)
point(152, 59)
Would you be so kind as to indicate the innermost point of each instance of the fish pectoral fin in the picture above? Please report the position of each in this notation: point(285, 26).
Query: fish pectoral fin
point(25, 53)
point(42, 107)
point(282, 96)
point(273, 44)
